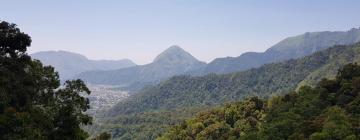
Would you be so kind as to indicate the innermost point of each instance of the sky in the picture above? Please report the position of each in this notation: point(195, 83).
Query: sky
point(141, 29)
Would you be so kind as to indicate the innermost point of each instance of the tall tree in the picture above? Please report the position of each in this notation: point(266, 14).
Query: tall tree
point(33, 104)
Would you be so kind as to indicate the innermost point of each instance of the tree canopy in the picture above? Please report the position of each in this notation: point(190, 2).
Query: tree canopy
point(33, 103)
point(331, 110)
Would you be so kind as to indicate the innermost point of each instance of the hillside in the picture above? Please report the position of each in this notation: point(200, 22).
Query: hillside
point(69, 64)
point(265, 81)
point(289, 48)
point(212, 90)
point(173, 61)
point(329, 111)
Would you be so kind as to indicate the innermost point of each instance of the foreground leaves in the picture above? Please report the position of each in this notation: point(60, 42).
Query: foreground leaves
point(33, 105)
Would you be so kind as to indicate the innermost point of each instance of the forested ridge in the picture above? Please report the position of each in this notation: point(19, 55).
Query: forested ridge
point(205, 92)
point(268, 80)
point(289, 48)
point(143, 126)
point(330, 110)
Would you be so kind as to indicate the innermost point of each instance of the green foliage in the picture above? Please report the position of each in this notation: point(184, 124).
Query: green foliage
point(233, 121)
point(32, 103)
point(335, 126)
point(13, 42)
point(142, 126)
point(103, 136)
point(328, 111)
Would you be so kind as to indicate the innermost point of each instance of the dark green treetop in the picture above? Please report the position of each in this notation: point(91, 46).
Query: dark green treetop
point(33, 103)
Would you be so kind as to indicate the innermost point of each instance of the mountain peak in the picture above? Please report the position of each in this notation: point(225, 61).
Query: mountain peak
point(174, 55)
point(317, 40)
point(174, 48)
point(69, 64)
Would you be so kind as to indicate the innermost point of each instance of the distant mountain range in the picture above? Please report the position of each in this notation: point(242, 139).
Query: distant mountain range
point(175, 61)
point(171, 62)
point(289, 48)
point(69, 64)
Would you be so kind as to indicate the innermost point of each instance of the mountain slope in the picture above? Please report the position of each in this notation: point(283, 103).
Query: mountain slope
point(173, 61)
point(69, 64)
point(265, 81)
point(289, 48)
point(328, 111)
point(129, 119)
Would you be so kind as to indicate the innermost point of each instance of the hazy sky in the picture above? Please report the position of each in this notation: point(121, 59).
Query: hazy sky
point(140, 29)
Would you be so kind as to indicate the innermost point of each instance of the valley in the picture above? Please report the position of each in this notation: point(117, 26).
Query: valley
point(103, 97)
point(143, 101)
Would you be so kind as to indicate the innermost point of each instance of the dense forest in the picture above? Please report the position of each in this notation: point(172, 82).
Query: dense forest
point(205, 92)
point(331, 110)
point(142, 126)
